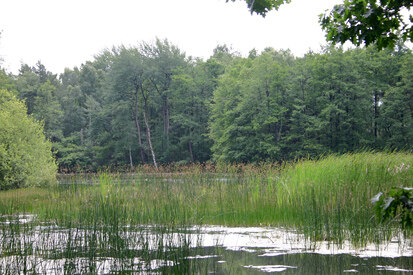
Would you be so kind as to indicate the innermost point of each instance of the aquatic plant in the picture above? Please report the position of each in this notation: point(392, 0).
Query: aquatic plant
point(327, 199)
point(397, 205)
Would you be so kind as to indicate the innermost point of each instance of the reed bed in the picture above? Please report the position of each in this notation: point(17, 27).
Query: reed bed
point(326, 199)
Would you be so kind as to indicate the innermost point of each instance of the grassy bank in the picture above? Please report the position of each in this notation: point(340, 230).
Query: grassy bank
point(327, 199)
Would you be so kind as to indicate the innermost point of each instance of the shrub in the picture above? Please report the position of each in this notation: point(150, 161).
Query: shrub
point(396, 205)
point(26, 158)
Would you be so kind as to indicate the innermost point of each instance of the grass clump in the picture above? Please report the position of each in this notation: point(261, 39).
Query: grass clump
point(331, 198)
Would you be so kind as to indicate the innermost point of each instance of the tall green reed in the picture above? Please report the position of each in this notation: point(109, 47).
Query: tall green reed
point(327, 199)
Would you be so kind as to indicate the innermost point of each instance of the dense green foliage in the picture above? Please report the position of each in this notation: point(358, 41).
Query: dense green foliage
point(152, 104)
point(368, 22)
point(25, 154)
point(275, 106)
point(396, 205)
point(262, 7)
point(357, 21)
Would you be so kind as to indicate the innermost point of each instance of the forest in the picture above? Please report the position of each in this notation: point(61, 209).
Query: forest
point(165, 162)
point(152, 104)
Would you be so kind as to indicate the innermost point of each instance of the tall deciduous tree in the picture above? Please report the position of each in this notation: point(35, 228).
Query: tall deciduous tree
point(250, 109)
point(38, 88)
point(163, 60)
point(132, 86)
point(397, 109)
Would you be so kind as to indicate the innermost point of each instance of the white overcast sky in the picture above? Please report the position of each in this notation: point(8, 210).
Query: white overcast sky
point(67, 33)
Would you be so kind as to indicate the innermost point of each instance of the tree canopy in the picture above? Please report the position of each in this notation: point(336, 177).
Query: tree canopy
point(151, 103)
point(369, 22)
point(262, 7)
point(358, 21)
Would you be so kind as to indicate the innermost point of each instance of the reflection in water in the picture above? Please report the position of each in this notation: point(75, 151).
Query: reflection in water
point(45, 249)
point(240, 262)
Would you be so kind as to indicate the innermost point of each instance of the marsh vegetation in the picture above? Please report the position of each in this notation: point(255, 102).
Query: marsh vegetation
point(123, 222)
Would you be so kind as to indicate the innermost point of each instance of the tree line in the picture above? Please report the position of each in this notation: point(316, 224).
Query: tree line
point(152, 104)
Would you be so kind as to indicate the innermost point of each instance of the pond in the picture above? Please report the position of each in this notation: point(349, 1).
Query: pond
point(313, 218)
point(29, 247)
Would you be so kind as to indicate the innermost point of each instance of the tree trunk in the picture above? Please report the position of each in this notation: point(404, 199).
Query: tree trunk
point(167, 121)
point(280, 131)
point(130, 159)
point(138, 128)
point(190, 148)
point(82, 140)
point(148, 131)
point(376, 113)
point(165, 117)
point(165, 114)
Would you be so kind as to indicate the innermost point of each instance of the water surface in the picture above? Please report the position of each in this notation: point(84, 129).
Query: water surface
point(29, 248)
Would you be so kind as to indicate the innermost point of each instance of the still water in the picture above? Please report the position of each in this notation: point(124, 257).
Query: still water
point(28, 248)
